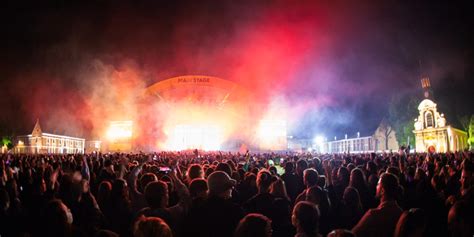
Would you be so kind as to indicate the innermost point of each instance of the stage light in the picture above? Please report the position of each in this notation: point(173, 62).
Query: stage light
point(119, 130)
point(195, 136)
point(272, 134)
point(318, 143)
point(318, 140)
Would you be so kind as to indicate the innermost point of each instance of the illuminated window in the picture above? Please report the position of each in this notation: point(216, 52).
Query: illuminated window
point(429, 119)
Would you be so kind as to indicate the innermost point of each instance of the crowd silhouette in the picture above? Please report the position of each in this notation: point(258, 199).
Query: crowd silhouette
point(231, 194)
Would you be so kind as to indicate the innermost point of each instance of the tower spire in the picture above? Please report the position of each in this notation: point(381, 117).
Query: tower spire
point(37, 132)
point(425, 83)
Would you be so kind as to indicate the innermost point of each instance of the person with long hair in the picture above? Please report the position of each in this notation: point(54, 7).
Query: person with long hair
point(254, 225)
point(351, 208)
point(359, 182)
point(305, 218)
point(278, 189)
point(121, 213)
point(151, 227)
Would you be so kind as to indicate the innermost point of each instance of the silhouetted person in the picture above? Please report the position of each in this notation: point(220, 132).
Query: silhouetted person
point(306, 219)
point(291, 180)
point(57, 220)
point(461, 219)
point(151, 227)
point(381, 221)
point(341, 233)
point(254, 225)
point(412, 223)
point(262, 202)
point(351, 209)
point(218, 216)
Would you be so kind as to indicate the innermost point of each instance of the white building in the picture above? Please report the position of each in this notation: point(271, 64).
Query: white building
point(383, 139)
point(39, 142)
point(432, 133)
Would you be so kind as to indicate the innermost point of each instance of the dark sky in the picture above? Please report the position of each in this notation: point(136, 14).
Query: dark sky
point(336, 65)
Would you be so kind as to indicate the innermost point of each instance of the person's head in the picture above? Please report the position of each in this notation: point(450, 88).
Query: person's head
point(106, 233)
point(4, 200)
point(120, 190)
point(195, 171)
point(254, 225)
point(314, 195)
point(343, 175)
point(289, 167)
point(156, 194)
point(273, 170)
point(387, 187)
point(209, 171)
point(394, 170)
point(412, 223)
point(467, 177)
point(341, 233)
point(198, 188)
point(420, 174)
point(351, 198)
point(39, 185)
point(57, 218)
point(438, 182)
point(301, 165)
point(371, 167)
point(145, 180)
point(85, 187)
point(306, 218)
point(357, 178)
point(220, 184)
point(460, 219)
point(310, 177)
point(151, 227)
point(224, 167)
point(278, 189)
point(103, 193)
point(250, 179)
point(108, 165)
point(264, 180)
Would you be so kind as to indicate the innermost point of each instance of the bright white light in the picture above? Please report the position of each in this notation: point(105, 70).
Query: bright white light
point(195, 136)
point(318, 140)
point(119, 130)
point(272, 134)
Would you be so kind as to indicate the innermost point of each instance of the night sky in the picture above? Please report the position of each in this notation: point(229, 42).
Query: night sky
point(336, 66)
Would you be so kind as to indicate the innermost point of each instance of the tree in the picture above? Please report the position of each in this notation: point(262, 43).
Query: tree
point(470, 133)
point(465, 122)
point(403, 110)
point(386, 130)
point(7, 141)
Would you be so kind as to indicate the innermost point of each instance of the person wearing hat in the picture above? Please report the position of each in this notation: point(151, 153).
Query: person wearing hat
point(218, 215)
point(220, 184)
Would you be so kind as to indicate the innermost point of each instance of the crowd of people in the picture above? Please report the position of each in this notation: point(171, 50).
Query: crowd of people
point(230, 194)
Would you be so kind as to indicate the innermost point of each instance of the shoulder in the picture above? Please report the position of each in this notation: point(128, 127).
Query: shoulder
point(370, 215)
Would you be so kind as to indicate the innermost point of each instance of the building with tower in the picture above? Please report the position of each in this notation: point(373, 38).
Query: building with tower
point(432, 133)
point(39, 142)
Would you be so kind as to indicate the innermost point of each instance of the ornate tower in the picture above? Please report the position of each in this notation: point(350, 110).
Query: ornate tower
point(426, 85)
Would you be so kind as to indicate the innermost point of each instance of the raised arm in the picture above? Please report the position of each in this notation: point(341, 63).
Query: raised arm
point(132, 178)
point(85, 169)
point(327, 171)
point(182, 191)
